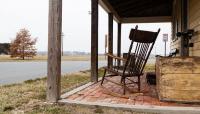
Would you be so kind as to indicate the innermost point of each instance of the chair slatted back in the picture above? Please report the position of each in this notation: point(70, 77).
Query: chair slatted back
point(143, 42)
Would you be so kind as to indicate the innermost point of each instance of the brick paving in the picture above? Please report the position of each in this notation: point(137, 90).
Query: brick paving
point(112, 93)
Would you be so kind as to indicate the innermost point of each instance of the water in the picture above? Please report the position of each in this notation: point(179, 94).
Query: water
point(16, 72)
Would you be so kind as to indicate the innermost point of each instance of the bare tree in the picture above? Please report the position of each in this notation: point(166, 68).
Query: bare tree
point(23, 45)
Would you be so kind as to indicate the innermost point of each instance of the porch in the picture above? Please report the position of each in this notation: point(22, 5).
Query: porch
point(123, 12)
point(92, 94)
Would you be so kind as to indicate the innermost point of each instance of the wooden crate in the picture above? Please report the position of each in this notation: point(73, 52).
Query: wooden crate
point(178, 79)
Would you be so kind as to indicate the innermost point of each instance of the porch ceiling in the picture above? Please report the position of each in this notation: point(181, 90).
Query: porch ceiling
point(139, 11)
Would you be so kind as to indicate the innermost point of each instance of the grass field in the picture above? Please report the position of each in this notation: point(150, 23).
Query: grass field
point(6, 58)
point(29, 97)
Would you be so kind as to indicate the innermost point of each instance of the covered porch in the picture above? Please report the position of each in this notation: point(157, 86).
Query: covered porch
point(122, 11)
point(94, 95)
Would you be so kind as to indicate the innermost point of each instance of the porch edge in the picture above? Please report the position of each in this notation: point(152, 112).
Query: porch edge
point(67, 94)
point(137, 108)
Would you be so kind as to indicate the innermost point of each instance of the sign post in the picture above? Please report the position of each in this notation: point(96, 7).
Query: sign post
point(165, 40)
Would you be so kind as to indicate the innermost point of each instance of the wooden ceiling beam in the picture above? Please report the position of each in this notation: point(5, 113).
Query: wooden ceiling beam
point(120, 16)
point(147, 19)
point(119, 5)
point(147, 8)
point(142, 6)
point(108, 8)
point(126, 6)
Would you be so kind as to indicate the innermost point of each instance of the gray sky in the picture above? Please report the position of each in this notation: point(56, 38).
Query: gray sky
point(33, 15)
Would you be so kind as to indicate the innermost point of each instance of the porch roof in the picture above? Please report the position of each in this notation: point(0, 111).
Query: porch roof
point(139, 11)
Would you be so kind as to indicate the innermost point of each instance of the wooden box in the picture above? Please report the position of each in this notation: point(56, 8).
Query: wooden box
point(178, 79)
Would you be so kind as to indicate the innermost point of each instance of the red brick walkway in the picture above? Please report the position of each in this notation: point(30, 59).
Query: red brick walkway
point(97, 93)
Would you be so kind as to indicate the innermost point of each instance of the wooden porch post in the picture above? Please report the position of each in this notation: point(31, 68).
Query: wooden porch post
point(54, 51)
point(119, 42)
point(184, 48)
point(94, 41)
point(110, 38)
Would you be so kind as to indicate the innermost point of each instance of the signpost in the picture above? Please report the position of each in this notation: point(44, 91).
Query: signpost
point(165, 40)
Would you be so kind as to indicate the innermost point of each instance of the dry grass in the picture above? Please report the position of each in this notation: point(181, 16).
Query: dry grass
point(29, 97)
point(31, 94)
point(150, 68)
point(6, 58)
point(75, 109)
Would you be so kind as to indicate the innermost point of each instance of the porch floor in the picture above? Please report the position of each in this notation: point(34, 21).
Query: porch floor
point(112, 94)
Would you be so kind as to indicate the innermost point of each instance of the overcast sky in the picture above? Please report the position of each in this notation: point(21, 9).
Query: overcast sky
point(33, 15)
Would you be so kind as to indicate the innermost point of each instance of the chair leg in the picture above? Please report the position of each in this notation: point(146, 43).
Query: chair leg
point(138, 83)
point(121, 80)
point(103, 76)
point(124, 85)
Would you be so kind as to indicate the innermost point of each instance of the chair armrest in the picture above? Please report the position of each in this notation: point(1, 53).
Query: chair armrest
point(115, 57)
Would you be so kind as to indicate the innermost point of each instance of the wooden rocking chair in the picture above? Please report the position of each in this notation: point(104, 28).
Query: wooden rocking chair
point(136, 60)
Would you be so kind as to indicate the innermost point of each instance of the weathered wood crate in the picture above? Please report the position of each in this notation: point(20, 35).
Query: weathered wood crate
point(178, 79)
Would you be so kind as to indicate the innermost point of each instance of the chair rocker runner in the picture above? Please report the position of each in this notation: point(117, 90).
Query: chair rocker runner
point(136, 60)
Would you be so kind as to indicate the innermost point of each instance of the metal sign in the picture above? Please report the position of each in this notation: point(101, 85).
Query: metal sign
point(165, 37)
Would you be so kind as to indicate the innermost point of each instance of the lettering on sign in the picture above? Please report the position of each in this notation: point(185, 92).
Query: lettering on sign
point(165, 37)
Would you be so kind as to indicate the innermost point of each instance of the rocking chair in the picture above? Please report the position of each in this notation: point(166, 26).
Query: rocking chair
point(135, 62)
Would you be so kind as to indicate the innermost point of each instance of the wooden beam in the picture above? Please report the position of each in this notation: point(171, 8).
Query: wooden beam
point(109, 9)
point(119, 42)
point(147, 19)
point(94, 41)
point(184, 50)
point(120, 5)
point(54, 50)
point(110, 38)
point(144, 6)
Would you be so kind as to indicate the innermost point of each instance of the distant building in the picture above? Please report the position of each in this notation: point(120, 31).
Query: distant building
point(4, 48)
